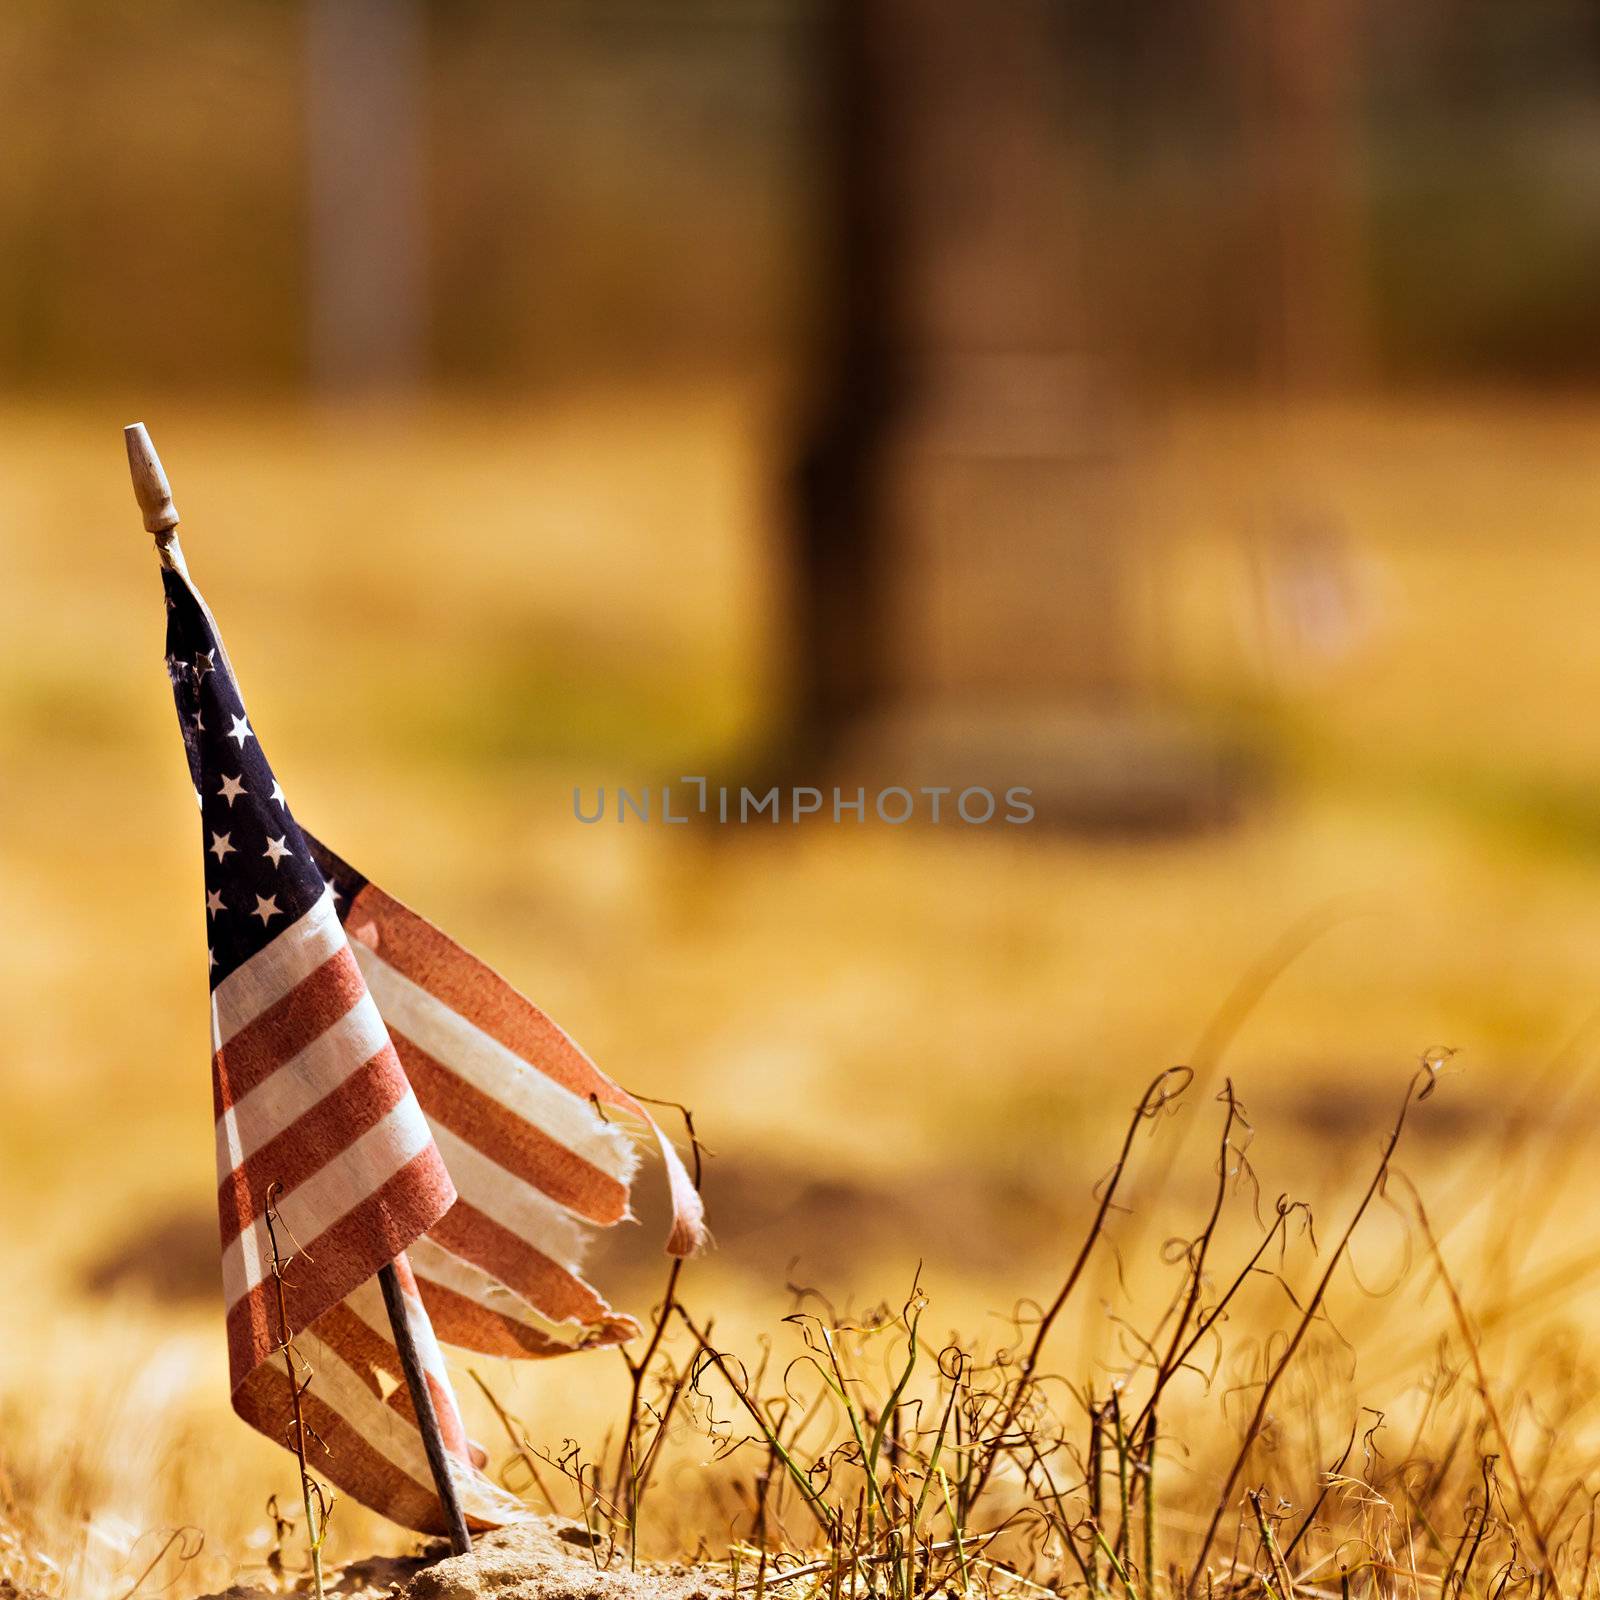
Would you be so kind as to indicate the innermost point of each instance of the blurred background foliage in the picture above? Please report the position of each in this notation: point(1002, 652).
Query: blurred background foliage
point(530, 425)
point(582, 153)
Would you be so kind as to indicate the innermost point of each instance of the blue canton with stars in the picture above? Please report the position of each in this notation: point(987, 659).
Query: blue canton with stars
point(261, 876)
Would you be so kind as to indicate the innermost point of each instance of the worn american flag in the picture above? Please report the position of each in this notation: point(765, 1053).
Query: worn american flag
point(408, 1104)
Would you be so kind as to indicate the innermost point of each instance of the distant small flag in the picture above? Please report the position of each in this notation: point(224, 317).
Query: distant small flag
point(412, 1106)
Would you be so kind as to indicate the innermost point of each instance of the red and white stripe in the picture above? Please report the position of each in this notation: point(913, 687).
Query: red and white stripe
point(360, 1407)
point(535, 1137)
point(407, 1099)
point(310, 1095)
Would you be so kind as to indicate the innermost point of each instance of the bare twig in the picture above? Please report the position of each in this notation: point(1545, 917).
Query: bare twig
point(318, 1504)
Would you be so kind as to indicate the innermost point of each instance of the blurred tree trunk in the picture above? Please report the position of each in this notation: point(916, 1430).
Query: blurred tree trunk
point(963, 609)
point(366, 114)
point(957, 366)
point(1298, 78)
point(1298, 83)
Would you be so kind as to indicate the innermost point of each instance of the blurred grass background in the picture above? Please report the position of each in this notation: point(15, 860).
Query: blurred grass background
point(902, 1045)
point(558, 558)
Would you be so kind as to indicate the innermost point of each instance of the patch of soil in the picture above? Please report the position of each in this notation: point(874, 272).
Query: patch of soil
point(550, 1560)
point(541, 1559)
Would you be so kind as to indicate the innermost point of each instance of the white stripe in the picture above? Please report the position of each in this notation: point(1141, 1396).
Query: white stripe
point(337, 1384)
point(482, 1499)
point(299, 1084)
point(485, 1063)
point(428, 1351)
point(367, 1303)
point(529, 1213)
point(394, 1437)
point(330, 1193)
point(271, 973)
point(432, 1263)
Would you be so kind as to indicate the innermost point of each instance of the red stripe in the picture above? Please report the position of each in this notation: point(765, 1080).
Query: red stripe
point(466, 1324)
point(340, 1259)
point(551, 1288)
point(444, 1408)
point(510, 1140)
point(367, 1352)
point(444, 1402)
point(474, 990)
point(348, 1462)
point(311, 1141)
point(457, 979)
point(284, 1029)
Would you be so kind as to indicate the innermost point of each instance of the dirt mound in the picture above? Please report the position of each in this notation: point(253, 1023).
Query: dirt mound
point(541, 1559)
point(545, 1560)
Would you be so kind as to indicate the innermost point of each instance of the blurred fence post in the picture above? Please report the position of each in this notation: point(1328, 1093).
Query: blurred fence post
point(963, 570)
point(366, 114)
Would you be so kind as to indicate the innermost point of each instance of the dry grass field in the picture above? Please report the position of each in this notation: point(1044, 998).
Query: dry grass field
point(901, 1046)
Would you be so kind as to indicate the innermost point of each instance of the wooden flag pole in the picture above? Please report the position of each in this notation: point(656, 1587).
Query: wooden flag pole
point(154, 494)
point(427, 1417)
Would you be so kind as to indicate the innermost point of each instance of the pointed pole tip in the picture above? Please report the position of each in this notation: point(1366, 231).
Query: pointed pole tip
point(150, 487)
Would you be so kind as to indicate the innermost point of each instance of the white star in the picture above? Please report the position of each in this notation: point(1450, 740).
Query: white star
point(241, 730)
point(199, 803)
point(214, 902)
point(232, 788)
point(211, 958)
point(277, 849)
point(277, 794)
point(199, 725)
point(221, 845)
point(205, 662)
point(266, 909)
